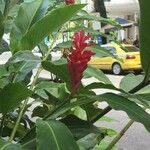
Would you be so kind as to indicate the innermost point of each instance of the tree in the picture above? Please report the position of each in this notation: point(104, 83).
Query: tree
point(99, 6)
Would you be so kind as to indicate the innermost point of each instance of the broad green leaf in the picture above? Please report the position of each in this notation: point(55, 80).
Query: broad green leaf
point(58, 68)
point(48, 86)
point(3, 82)
point(3, 71)
point(89, 30)
point(54, 135)
point(43, 48)
point(98, 85)
point(67, 44)
point(12, 95)
point(96, 18)
point(103, 145)
point(130, 81)
point(57, 90)
point(4, 145)
point(92, 111)
point(88, 142)
point(2, 5)
point(26, 56)
point(81, 128)
point(145, 36)
point(141, 99)
point(80, 113)
point(98, 74)
point(47, 25)
point(29, 13)
point(25, 62)
point(117, 102)
point(40, 111)
point(107, 119)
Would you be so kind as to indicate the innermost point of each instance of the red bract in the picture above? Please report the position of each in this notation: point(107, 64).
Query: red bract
point(78, 59)
point(69, 2)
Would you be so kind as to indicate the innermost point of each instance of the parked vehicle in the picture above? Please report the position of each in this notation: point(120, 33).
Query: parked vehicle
point(127, 58)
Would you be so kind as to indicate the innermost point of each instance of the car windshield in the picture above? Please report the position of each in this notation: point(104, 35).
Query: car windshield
point(112, 50)
point(130, 49)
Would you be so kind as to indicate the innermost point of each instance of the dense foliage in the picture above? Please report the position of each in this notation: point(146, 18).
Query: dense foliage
point(58, 113)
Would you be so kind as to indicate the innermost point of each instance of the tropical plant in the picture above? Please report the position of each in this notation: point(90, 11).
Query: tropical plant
point(58, 113)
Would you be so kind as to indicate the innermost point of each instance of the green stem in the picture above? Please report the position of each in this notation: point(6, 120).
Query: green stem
point(22, 109)
point(45, 118)
point(120, 134)
point(104, 112)
point(18, 120)
point(2, 124)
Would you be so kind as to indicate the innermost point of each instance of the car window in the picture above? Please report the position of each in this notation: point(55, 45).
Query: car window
point(130, 49)
point(112, 50)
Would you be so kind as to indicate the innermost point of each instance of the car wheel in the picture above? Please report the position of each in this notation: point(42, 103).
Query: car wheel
point(116, 69)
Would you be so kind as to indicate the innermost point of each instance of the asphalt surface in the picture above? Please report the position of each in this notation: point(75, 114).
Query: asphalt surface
point(136, 138)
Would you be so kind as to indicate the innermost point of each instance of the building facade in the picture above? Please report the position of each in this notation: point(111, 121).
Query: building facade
point(126, 9)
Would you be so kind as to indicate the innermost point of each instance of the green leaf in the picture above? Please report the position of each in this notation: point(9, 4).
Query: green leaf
point(25, 61)
point(57, 90)
point(111, 132)
point(67, 44)
point(98, 74)
point(89, 141)
point(40, 111)
point(107, 119)
point(12, 95)
point(81, 128)
point(47, 25)
point(28, 142)
point(92, 111)
point(48, 86)
point(103, 145)
point(3, 82)
point(145, 90)
point(9, 146)
point(43, 48)
point(144, 36)
point(26, 56)
point(117, 102)
point(100, 51)
point(97, 85)
point(88, 30)
point(3, 71)
point(80, 113)
point(58, 68)
point(96, 18)
point(130, 81)
point(29, 13)
point(54, 135)
point(1, 27)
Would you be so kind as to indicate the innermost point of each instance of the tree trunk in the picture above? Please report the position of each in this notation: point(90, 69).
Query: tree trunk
point(99, 6)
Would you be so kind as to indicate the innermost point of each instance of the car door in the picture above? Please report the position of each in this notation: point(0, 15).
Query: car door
point(104, 62)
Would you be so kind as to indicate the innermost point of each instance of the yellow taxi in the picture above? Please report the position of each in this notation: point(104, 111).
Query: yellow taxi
point(127, 58)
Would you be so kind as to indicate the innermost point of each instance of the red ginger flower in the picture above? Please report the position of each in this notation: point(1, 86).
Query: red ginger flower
point(78, 59)
point(69, 2)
